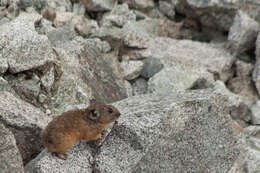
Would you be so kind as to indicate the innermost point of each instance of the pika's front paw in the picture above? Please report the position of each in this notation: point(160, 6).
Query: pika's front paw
point(62, 156)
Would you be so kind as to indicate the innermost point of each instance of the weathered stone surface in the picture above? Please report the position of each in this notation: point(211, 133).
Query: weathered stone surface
point(249, 159)
point(10, 157)
point(119, 16)
point(129, 89)
point(85, 75)
point(3, 65)
point(9, 9)
point(256, 113)
point(256, 75)
point(243, 33)
point(196, 55)
point(167, 9)
point(139, 86)
point(78, 8)
point(151, 67)
point(59, 5)
point(216, 14)
point(131, 69)
point(63, 18)
point(22, 46)
point(139, 4)
point(79, 160)
point(86, 27)
point(257, 50)
point(176, 78)
point(25, 121)
point(176, 131)
point(97, 5)
point(242, 83)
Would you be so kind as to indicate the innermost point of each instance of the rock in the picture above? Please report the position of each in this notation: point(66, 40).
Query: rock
point(85, 75)
point(3, 65)
point(151, 67)
point(256, 75)
point(44, 26)
point(242, 83)
point(248, 160)
point(59, 5)
point(167, 9)
point(86, 28)
point(78, 9)
point(139, 4)
point(63, 18)
point(243, 33)
point(10, 157)
point(61, 36)
point(194, 54)
point(48, 79)
point(132, 69)
point(257, 49)
point(139, 86)
point(256, 113)
point(4, 86)
point(25, 4)
point(176, 78)
point(9, 9)
point(217, 14)
point(182, 131)
point(22, 46)
point(240, 111)
point(25, 121)
point(79, 160)
point(119, 16)
point(129, 89)
point(99, 6)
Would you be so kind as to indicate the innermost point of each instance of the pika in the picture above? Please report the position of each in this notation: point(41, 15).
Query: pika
point(65, 130)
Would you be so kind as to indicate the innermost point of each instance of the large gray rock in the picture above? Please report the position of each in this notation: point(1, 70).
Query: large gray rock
point(131, 69)
point(25, 121)
point(194, 54)
point(10, 157)
point(186, 131)
point(176, 78)
point(58, 5)
point(97, 5)
point(22, 46)
point(167, 9)
point(217, 14)
point(249, 160)
point(243, 33)
point(151, 67)
point(139, 4)
point(139, 86)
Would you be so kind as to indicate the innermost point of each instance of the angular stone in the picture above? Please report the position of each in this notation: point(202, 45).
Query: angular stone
point(139, 4)
point(48, 79)
point(216, 14)
point(256, 75)
point(63, 18)
point(257, 49)
point(256, 113)
point(25, 121)
point(176, 78)
point(99, 6)
point(79, 160)
point(59, 5)
point(132, 69)
point(184, 132)
point(23, 47)
point(10, 157)
point(79, 9)
point(139, 86)
point(87, 27)
point(194, 54)
point(167, 9)
point(243, 33)
point(129, 89)
point(3, 65)
point(151, 67)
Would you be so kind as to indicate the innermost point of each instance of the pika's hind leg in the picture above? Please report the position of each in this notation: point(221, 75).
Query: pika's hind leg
point(62, 156)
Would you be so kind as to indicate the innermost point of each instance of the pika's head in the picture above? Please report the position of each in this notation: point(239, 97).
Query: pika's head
point(102, 113)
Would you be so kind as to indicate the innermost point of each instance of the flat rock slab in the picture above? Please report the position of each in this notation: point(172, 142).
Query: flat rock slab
point(186, 132)
point(22, 46)
point(194, 54)
point(10, 157)
point(25, 121)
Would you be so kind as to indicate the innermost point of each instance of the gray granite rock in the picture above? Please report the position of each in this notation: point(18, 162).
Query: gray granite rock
point(78, 8)
point(9, 9)
point(194, 54)
point(256, 113)
point(131, 69)
point(119, 16)
point(184, 132)
point(167, 9)
point(139, 4)
point(139, 86)
point(10, 157)
point(151, 67)
point(256, 75)
point(216, 14)
point(25, 121)
point(129, 89)
point(99, 6)
point(58, 5)
point(3, 65)
point(176, 78)
point(87, 27)
point(257, 49)
point(62, 18)
point(243, 33)
point(22, 46)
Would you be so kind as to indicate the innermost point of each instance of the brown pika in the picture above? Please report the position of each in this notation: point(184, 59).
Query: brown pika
point(65, 130)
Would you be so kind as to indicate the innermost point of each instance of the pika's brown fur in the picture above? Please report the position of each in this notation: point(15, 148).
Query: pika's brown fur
point(65, 130)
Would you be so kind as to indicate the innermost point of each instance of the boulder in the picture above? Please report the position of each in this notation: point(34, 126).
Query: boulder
point(139, 87)
point(99, 6)
point(25, 121)
point(10, 157)
point(131, 69)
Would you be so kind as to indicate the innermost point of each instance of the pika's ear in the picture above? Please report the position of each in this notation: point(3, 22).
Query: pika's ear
point(93, 114)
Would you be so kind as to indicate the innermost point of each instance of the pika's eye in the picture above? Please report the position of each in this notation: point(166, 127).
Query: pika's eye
point(110, 110)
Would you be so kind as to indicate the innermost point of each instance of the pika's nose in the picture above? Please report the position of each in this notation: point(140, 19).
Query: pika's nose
point(118, 114)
